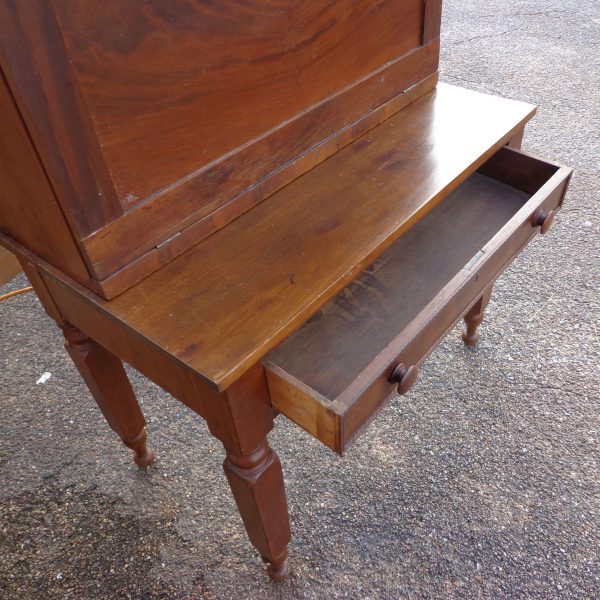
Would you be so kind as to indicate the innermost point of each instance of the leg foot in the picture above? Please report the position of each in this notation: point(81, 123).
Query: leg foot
point(277, 569)
point(471, 336)
point(144, 456)
point(474, 318)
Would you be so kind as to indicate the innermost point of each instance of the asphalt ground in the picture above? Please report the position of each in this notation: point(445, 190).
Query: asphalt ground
point(482, 482)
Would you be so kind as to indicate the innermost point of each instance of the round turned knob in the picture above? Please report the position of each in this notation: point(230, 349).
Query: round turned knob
point(404, 376)
point(543, 220)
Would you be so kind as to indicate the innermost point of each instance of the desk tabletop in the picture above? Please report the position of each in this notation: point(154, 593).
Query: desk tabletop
point(221, 306)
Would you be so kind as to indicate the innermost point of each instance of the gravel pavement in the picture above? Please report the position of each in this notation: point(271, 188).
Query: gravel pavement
point(483, 482)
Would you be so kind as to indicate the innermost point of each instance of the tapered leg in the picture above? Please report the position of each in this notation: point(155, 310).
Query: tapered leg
point(241, 419)
point(256, 481)
point(105, 376)
point(474, 318)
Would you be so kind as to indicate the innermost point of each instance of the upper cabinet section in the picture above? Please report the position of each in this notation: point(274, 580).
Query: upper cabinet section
point(159, 122)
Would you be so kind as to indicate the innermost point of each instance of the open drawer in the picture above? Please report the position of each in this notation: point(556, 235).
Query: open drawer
point(332, 375)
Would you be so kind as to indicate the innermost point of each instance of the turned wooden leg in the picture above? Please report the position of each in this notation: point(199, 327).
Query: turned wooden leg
point(256, 481)
point(474, 317)
point(105, 376)
point(241, 419)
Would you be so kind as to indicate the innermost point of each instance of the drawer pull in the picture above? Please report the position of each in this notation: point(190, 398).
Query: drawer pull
point(542, 219)
point(404, 376)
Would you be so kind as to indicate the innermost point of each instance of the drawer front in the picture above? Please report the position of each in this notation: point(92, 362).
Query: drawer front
point(335, 415)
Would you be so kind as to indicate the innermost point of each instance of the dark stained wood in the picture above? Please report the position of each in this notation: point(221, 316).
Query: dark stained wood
point(214, 197)
point(405, 376)
point(240, 418)
point(232, 72)
point(230, 299)
point(160, 217)
point(543, 220)
point(528, 174)
point(29, 211)
point(474, 317)
point(34, 61)
point(198, 230)
point(101, 370)
point(39, 285)
point(249, 160)
point(398, 309)
point(133, 348)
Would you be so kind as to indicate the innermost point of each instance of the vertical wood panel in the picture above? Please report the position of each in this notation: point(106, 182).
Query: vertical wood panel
point(29, 211)
point(432, 20)
point(38, 71)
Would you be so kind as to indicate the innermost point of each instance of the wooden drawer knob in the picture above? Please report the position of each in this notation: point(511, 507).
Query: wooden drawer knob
point(404, 376)
point(542, 219)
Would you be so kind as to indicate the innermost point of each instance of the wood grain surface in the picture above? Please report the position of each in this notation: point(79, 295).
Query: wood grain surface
point(226, 302)
point(29, 210)
point(340, 341)
point(152, 119)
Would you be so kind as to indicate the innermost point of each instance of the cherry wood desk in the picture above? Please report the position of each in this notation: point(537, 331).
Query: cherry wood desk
point(320, 298)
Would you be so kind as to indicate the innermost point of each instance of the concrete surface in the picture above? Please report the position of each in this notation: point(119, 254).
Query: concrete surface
point(483, 482)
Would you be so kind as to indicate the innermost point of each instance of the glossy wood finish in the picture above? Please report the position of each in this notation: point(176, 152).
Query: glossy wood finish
point(240, 418)
point(332, 375)
point(196, 230)
point(432, 20)
point(152, 119)
point(91, 99)
point(229, 300)
point(405, 376)
point(102, 372)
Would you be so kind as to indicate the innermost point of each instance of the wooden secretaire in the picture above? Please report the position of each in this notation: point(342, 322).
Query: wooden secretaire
point(143, 127)
point(265, 207)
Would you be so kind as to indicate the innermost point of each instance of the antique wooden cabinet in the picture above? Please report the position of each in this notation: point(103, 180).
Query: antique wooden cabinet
point(152, 124)
point(266, 207)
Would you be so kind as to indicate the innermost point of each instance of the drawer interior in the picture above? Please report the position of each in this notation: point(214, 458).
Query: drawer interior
point(340, 343)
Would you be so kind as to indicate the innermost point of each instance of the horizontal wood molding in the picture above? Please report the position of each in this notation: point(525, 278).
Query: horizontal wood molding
point(157, 124)
point(227, 301)
point(134, 349)
point(399, 308)
point(133, 272)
